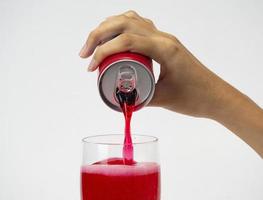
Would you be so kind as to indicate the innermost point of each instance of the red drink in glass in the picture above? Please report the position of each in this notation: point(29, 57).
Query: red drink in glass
point(112, 180)
point(126, 83)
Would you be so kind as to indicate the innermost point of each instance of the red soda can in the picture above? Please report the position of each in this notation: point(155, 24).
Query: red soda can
point(126, 71)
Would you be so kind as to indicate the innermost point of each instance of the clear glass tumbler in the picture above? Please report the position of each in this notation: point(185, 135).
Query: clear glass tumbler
point(104, 176)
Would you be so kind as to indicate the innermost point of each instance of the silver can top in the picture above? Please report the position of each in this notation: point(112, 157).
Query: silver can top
point(139, 77)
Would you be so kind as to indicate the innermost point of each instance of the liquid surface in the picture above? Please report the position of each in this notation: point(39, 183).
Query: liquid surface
point(111, 179)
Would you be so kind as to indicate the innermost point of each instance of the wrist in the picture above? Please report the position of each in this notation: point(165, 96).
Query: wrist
point(237, 112)
point(243, 117)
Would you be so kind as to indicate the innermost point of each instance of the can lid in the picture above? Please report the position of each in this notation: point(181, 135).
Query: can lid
point(109, 71)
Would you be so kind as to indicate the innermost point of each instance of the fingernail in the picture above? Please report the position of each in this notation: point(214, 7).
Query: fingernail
point(83, 50)
point(92, 65)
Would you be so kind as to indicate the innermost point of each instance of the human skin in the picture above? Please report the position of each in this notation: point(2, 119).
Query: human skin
point(185, 85)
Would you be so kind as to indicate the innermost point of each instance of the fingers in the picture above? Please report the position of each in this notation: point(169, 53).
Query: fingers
point(132, 14)
point(125, 32)
point(149, 21)
point(111, 27)
point(124, 42)
point(104, 32)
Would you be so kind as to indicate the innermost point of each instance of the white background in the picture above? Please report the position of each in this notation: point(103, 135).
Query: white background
point(48, 102)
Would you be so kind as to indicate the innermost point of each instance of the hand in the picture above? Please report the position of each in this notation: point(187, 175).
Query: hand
point(185, 85)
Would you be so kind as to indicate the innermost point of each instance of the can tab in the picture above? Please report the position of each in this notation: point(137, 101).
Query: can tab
point(126, 80)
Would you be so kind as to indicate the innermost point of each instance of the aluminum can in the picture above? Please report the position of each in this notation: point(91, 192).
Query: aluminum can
point(126, 71)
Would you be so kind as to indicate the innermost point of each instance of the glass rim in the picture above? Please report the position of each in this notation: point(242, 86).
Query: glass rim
point(151, 139)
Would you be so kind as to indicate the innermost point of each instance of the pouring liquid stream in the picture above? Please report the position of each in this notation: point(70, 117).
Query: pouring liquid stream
point(127, 103)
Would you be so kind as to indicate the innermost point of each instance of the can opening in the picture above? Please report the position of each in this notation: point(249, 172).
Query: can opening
point(126, 85)
point(126, 79)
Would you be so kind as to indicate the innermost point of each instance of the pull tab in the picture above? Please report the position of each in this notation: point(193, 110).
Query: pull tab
point(126, 79)
point(126, 92)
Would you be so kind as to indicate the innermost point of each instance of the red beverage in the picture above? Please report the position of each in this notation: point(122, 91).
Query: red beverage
point(113, 180)
point(126, 83)
point(127, 102)
point(122, 76)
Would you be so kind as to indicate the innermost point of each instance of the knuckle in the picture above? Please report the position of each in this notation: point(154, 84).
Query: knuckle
point(150, 21)
point(93, 35)
point(171, 45)
point(123, 21)
point(166, 44)
point(131, 13)
point(100, 53)
point(127, 40)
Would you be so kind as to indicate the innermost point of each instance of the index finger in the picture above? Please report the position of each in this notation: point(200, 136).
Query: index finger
point(104, 32)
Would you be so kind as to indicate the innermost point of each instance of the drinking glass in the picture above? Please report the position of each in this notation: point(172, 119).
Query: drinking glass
point(104, 176)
